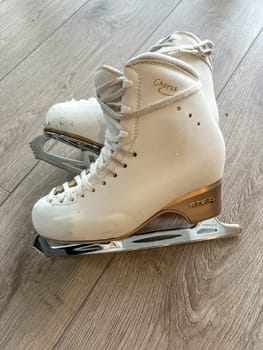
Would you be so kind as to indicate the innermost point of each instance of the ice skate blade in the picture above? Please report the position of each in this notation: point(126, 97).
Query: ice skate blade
point(72, 165)
point(205, 230)
point(82, 144)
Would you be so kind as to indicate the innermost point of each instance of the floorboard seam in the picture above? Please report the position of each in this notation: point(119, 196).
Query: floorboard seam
point(4, 190)
point(27, 174)
point(239, 63)
point(43, 41)
point(16, 186)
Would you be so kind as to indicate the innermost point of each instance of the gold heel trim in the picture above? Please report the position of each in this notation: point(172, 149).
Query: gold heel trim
point(198, 205)
point(73, 136)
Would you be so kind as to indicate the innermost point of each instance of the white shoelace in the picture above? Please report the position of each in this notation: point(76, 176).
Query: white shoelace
point(170, 45)
point(85, 180)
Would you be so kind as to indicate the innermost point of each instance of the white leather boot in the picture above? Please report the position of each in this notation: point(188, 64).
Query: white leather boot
point(156, 109)
point(77, 118)
point(81, 123)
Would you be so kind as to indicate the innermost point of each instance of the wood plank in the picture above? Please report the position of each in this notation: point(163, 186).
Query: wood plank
point(26, 24)
point(3, 195)
point(38, 296)
point(56, 70)
point(198, 296)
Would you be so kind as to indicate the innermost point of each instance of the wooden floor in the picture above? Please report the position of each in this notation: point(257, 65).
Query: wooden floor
point(205, 296)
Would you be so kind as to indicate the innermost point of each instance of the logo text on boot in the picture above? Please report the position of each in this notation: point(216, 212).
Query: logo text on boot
point(164, 88)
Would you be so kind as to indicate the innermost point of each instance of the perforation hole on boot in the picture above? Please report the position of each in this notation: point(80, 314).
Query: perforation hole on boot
point(125, 165)
point(198, 124)
point(134, 154)
point(115, 175)
point(190, 115)
point(104, 183)
point(178, 108)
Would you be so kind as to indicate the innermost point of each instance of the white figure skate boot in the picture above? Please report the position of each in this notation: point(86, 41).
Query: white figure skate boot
point(81, 123)
point(157, 109)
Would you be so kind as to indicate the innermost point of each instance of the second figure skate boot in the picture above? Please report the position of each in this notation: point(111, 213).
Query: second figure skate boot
point(157, 109)
point(81, 123)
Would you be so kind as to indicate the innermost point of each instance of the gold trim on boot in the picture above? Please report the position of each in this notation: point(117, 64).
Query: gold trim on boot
point(73, 136)
point(201, 204)
point(198, 205)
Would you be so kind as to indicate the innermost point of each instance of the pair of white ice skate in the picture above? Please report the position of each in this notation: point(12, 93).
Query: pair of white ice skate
point(154, 128)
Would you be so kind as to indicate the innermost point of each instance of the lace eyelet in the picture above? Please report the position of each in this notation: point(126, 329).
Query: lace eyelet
point(125, 165)
point(115, 175)
point(104, 183)
point(134, 154)
point(93, 190)
point(82, 195)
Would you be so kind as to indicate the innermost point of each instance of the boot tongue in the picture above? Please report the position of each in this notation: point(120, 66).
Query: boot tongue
point(103, 75)
point(106, 74)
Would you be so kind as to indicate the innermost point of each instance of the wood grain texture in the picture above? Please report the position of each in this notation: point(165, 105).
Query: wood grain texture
point(200, 296)
point(26, 24)
point(57, 69)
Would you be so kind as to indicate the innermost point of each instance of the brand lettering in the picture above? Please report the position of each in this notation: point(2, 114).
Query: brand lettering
point(202, 202)
point(164, 88)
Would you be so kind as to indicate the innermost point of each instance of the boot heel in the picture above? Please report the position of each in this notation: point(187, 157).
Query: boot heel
point(201, 204)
